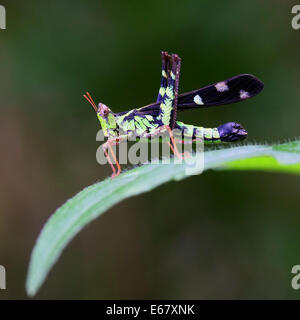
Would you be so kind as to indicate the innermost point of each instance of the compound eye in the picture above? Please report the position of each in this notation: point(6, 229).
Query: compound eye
point(105, 111)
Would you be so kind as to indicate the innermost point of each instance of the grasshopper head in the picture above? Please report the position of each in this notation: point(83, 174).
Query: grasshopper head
point(105, 116)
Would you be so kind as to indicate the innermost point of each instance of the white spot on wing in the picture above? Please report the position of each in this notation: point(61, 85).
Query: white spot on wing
point(221, 86)
point(198, 99)
point(244, 94)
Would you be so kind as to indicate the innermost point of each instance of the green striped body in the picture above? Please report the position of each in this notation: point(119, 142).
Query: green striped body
point(209, 135)
point(148, 126)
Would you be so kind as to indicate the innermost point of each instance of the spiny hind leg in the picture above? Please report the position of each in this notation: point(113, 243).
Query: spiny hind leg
point(177, 60)
point(167, 102)
point(165, 61)
point(168, 107)
point(172, 144)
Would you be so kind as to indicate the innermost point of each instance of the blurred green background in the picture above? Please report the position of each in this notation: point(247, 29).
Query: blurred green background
point(232, 235)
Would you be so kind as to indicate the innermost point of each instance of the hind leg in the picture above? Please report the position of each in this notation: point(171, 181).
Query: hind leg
point(177, 60)
point(165, 61)
point(168, 105)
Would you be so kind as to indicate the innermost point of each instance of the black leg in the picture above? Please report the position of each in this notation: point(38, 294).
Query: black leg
point(165, 59)
point(167, 113)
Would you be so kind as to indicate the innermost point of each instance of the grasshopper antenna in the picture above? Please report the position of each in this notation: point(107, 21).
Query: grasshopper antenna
point(90, 100)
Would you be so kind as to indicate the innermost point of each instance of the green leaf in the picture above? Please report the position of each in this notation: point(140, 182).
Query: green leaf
point(94, 200)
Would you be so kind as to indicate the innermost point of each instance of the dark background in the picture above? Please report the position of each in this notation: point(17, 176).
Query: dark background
point(218, 235)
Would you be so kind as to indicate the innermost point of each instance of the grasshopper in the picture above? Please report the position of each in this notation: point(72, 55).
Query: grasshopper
point(161, 116)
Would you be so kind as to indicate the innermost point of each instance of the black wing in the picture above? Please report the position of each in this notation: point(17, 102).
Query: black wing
point(239, 88)
point(229, 91)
